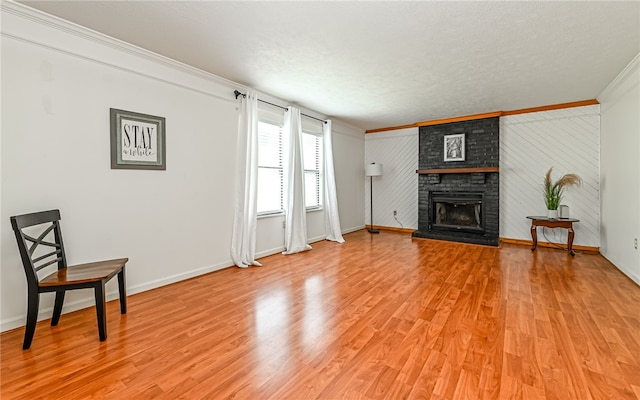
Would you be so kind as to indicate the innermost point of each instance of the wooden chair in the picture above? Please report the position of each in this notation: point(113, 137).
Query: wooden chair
point(34, 258)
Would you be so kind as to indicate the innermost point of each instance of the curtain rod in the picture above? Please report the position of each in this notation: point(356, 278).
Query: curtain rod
point(237, 93)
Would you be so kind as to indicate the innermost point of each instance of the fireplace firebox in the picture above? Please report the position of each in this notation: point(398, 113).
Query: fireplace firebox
point(457, 211)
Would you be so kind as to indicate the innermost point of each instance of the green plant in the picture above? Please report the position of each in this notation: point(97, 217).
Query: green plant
point(553, 191)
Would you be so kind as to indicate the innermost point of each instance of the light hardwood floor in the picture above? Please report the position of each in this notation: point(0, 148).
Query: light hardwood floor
point(380, 316)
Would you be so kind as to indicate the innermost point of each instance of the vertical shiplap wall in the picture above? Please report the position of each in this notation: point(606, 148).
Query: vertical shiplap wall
point(397, 188)
point(567, 140)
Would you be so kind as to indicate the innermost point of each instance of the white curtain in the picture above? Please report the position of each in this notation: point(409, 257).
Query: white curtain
point(245, 218)
point(295, 232)
point(331, 216)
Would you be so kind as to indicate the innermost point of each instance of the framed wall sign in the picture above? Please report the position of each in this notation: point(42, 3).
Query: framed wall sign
point(137, 140)
point(454, 147)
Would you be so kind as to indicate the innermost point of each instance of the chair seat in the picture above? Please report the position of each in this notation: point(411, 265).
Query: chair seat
point(84, 273)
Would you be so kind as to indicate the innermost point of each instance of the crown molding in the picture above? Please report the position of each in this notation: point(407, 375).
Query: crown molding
point(573, 104)
point(52, 22)
point(550, 107)
point(39, 17)
point(620, 80)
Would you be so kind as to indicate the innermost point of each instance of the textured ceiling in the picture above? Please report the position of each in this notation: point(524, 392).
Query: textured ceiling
point(381, 64)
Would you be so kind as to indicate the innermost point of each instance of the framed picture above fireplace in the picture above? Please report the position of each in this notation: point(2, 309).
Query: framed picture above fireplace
point(454, 147)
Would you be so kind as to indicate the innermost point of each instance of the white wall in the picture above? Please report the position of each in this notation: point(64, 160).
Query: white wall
point(620, 170)
point(565, 139)
point(397, 188)
point(58, 83)
point(348, 161)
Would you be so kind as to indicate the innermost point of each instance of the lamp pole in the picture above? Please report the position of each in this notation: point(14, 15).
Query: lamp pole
point(371, 230)
point(372, 170)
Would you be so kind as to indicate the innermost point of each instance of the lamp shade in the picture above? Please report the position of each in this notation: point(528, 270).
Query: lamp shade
point(373, 169)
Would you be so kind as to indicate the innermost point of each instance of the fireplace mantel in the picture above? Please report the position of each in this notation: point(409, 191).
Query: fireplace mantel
point(457, 170)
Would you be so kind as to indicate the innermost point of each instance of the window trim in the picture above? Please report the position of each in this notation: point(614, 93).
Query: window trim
point(278, 168)
point(320, 171)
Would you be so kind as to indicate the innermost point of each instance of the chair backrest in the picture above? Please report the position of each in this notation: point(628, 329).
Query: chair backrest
point(34, 257)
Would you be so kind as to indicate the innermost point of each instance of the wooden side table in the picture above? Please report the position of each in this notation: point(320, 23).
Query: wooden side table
point(566, 223)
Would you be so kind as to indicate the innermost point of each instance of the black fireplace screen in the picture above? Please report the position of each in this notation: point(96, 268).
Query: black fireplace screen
point(457, 211)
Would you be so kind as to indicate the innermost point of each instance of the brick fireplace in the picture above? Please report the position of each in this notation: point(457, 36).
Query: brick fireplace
point(459, 200)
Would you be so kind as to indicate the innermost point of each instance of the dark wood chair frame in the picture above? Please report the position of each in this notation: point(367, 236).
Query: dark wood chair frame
point(92, 275)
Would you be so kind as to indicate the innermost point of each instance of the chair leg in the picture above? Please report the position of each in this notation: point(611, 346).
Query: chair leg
point(57, 307)
point(122, 287)
point(100, 311)
point(33, 301)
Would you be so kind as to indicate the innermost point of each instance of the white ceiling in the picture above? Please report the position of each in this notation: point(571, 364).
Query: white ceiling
point(381, 64)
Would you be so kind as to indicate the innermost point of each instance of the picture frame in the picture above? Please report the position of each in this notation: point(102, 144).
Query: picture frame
point(137, 140)
point(454, 149)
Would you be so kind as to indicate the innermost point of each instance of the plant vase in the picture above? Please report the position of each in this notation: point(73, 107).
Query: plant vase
point(554, 191)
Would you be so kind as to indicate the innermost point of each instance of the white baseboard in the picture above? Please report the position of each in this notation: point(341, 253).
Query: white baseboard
point(630, 274)
point(88, 301)
point(357, 228)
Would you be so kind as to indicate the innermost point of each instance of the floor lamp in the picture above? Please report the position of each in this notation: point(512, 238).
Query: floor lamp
point(372, 170)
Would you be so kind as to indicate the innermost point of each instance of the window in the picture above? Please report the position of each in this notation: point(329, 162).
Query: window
point(311, 145)
point(271, 173)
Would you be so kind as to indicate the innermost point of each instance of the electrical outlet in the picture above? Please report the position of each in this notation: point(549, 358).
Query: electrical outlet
point(395, 213)
point(635, 243)
point(284, 225)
